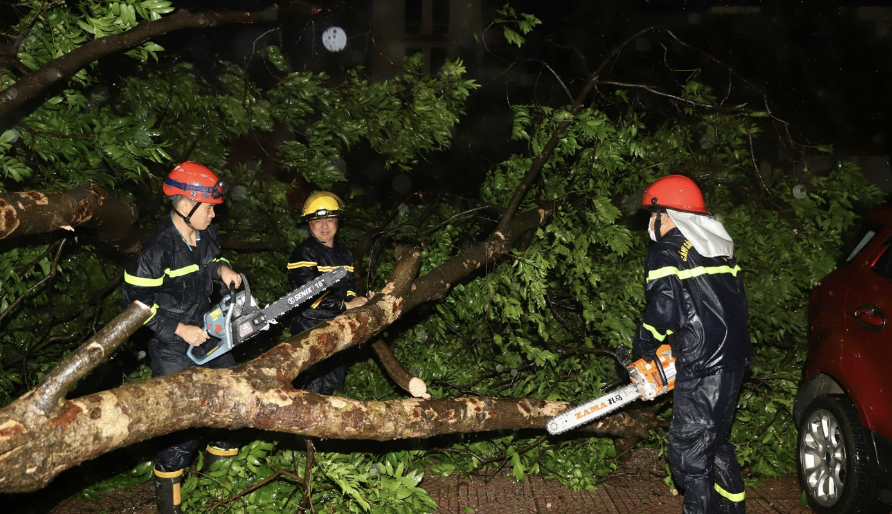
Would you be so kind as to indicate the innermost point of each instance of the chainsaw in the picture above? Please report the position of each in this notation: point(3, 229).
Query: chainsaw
point(652, 378)
point(232, 322)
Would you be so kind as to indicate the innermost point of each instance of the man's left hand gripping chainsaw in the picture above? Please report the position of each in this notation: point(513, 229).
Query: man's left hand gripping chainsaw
point(655, 380)
point(231, 323)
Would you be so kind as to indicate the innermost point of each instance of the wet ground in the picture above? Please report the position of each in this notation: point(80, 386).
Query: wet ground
point(636, 487)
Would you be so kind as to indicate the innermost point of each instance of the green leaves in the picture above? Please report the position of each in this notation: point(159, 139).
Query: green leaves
point(274, 55)
point(539, 321)
point(362, 483)
point(516, 23)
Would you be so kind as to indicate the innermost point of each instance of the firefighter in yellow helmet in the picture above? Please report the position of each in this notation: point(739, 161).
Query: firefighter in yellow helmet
point(318, 254)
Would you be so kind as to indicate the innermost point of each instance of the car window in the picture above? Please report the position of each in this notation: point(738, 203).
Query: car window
point(883, 264)
point(858, 240)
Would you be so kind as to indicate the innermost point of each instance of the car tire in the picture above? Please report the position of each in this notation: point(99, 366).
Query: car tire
point(835, 467)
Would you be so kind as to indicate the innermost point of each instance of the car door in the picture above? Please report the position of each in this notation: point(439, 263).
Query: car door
point(867, 347)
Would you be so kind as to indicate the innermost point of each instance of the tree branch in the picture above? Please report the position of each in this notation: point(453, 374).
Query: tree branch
point(527, 182)
point(31, 289)
point(88, 205)
point(63, 68)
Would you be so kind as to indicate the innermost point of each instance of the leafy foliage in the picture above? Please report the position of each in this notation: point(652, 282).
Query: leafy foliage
point(515, 23)
point(540, 322)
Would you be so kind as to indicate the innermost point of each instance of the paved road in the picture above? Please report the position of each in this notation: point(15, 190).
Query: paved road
point(635, 487)
point(621, 495)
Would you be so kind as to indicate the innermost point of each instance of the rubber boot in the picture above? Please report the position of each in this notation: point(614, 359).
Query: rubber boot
point(213, 454)
point(167, 491)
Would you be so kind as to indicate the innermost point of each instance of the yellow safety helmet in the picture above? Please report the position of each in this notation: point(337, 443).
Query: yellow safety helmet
point(322, 205)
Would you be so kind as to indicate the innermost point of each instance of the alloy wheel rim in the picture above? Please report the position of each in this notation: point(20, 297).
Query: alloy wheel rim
point(822, 454)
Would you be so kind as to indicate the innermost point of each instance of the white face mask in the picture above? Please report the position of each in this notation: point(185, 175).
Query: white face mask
point(650, 230)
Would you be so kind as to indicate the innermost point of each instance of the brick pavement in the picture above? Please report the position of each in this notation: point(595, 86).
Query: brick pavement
point(623, 495)
point(635, 487)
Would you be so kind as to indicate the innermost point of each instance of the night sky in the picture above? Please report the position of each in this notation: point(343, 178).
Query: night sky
point(822, 65)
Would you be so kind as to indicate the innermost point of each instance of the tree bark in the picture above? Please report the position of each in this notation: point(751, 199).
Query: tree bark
point(41, 434)
point(88, 206)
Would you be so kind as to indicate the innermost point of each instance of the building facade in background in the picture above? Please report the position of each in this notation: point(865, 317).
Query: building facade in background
point(438, 29)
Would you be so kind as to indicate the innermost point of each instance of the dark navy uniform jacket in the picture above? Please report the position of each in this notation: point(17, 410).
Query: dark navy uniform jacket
point(174, 279)
point(697, 304)
point(309, 260)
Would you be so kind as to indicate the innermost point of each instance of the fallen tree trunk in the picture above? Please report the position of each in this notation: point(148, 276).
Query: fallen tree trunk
point(41, 434)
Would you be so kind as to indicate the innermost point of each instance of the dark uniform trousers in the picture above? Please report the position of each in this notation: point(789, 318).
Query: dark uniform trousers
point(700, 453)
point(176, 280)
point(698, 305)
point(170, 358)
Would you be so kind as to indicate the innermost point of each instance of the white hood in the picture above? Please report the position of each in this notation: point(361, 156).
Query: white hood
point(706, 233)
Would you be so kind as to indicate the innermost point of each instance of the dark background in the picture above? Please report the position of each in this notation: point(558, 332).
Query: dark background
point(823, 66)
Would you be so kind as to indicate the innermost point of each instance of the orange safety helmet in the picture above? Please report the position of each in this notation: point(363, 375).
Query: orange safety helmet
point(196, 182)
point(674, 192)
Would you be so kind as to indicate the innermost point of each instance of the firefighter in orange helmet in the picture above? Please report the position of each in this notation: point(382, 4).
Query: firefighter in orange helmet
point(174, 274)
point(696, 303)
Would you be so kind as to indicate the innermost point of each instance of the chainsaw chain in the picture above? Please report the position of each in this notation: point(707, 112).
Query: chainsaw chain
point(554, 424)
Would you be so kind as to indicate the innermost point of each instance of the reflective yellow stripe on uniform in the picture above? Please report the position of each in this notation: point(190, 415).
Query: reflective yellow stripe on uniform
point(181, 271)
point(154, 311)
point(301, 264)
point(317, 302)
point(691, 273)
point(157, 282)
point(168, 474)
point(656, 333)
point(222, 259)
point(734, 497)
point(332, 268)
point(142, 282)
point(351, 293)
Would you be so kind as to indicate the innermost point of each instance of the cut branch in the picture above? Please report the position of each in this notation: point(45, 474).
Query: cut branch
point(52, 390)
point(88, 205)
point(392, 365)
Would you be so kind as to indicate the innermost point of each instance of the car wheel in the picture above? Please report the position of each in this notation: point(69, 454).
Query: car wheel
point(834, 464)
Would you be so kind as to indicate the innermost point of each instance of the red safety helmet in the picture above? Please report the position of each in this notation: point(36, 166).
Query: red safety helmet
point(674, 192)
point(196, 182)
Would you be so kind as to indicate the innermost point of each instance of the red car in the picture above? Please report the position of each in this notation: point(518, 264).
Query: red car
point(844, 405)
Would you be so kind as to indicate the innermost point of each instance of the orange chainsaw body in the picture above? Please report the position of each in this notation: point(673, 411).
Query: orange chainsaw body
point(646, 374)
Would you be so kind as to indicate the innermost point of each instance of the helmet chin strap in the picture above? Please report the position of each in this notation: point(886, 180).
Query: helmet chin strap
point(657, 225)
point(188, 218)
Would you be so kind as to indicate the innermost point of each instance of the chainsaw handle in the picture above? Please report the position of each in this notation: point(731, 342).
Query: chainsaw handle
point(665, 384)
point(247, 287)
point(227, 331)
point(655, 358)
point(207, 356)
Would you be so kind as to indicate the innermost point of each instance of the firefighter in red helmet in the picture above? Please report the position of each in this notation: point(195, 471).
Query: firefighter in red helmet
point(696, 303)
point(175, 274)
